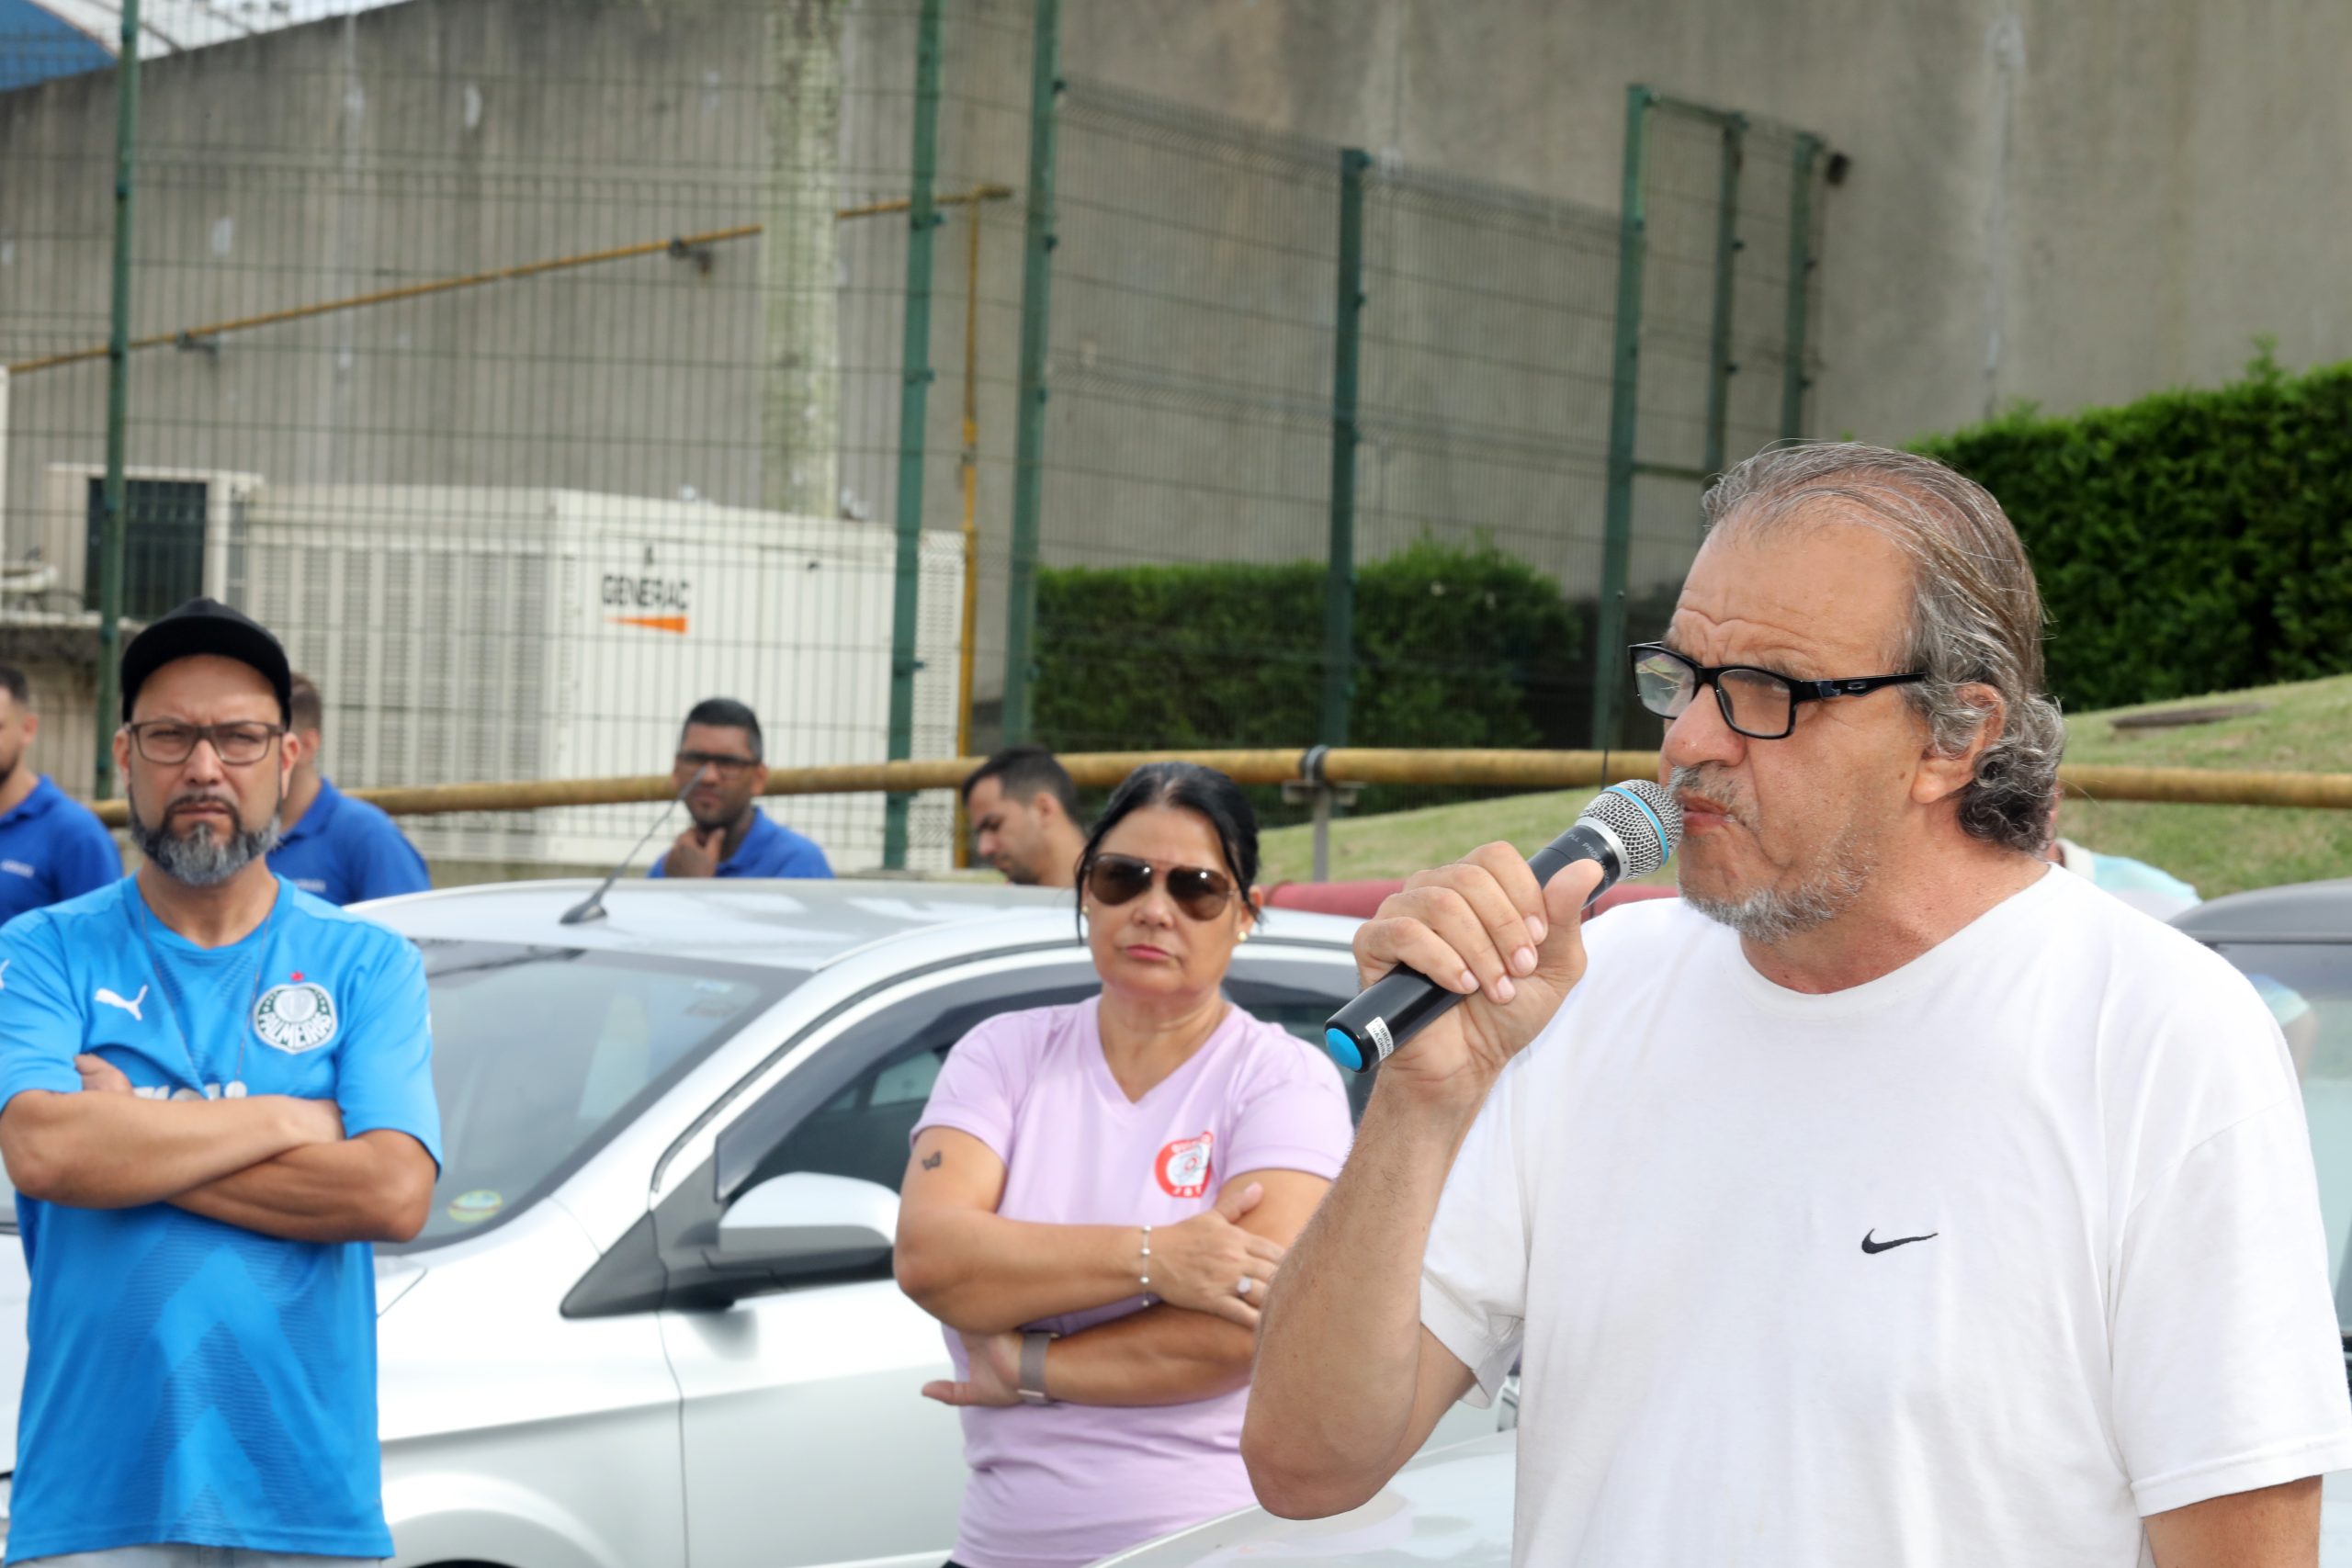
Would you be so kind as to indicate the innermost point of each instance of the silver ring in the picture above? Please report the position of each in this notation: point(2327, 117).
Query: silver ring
point(1243, 1288)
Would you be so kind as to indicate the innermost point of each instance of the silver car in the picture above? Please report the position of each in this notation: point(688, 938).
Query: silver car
point(652, 1320)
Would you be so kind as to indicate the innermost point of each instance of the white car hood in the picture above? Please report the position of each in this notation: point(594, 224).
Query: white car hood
point(1454, 1505)
point(1450, 1504)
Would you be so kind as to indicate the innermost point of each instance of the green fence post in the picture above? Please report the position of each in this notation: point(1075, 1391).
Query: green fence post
point(1616, 547)
point(1792, 376)
point(914, 403)
point(1029, 439)
point(126, 142)
point(1339, 579)
point(1720, 368)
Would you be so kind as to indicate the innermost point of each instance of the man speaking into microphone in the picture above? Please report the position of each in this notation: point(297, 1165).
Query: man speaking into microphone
point(1886, 1199)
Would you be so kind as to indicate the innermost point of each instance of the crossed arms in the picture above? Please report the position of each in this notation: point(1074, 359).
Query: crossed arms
point(267, 1162)
point(984, 1276)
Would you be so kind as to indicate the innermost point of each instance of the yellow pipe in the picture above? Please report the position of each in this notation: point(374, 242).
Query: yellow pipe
point(480, 279)
point(1516, 770)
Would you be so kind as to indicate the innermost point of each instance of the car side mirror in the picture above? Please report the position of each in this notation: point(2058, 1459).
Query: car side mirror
point(806, 1222)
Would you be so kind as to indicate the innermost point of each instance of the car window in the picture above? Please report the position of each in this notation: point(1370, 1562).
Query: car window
point(863, 1128)
point(2308, 988)
point(540, 1054)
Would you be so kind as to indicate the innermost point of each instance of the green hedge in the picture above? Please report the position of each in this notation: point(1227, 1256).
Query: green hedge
point(2190, 542)
point(1454, 647)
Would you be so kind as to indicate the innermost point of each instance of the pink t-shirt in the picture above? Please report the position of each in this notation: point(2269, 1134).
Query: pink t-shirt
point(1056, 1485)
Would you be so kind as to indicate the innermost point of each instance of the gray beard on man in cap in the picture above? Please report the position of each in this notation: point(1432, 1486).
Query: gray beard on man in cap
point(198, 859)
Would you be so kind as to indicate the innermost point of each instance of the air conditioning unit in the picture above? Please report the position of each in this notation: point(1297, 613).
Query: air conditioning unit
point(462, 635)
point(175, 520)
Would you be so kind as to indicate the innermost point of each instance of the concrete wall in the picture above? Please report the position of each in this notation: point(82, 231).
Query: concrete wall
point(2072, 201)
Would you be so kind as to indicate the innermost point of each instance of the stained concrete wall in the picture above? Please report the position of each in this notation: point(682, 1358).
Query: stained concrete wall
point(2072, 201)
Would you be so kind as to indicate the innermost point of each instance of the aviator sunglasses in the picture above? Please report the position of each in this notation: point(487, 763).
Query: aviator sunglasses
point(1201, 893)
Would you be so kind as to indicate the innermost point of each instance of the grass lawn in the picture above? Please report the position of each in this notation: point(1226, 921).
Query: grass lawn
point(2304, 728)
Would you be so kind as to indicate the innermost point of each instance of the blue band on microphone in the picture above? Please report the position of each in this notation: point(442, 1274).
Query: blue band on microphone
point(1343, 1049)
point(1665, 842)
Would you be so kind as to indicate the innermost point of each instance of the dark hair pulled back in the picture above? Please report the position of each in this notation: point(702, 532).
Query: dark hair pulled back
point(1187, 786)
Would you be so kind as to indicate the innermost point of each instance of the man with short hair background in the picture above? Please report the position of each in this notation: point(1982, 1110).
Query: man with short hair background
point(52, 846)
point(720, 750)
point(1024, 811)
point(215, 1093)
point(1891, 1197)
point(340, 848)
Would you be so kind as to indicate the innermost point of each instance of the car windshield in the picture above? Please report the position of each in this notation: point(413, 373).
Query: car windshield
point(541, 1054)
point(2309, 988)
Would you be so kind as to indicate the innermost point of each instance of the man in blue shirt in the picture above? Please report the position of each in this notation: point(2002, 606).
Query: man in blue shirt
point(215, 1092)
point(52, 847)
point(343, 850)
point(730, 836)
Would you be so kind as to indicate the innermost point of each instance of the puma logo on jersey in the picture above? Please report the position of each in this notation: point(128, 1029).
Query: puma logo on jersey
point(131, 1006)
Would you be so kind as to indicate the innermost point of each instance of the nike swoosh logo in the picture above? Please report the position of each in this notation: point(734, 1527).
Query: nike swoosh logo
point(1870, 1245)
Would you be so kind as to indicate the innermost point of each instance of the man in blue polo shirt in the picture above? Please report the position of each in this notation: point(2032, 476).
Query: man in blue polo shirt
point(343, 850)
point(50, 846)
point(730, 836)
point(215, 1092)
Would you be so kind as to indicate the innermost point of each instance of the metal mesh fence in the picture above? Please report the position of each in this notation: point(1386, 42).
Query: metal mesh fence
point(1193, 412)
point(536, 370)
point(533, 369)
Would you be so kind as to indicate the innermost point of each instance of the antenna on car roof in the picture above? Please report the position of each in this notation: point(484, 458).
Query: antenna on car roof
point(592, 907)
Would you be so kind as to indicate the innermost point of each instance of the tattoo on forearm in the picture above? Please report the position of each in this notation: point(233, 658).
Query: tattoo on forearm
point(931, 1162)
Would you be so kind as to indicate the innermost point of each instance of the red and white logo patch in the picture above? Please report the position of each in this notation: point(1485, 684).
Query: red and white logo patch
point(1182, 1167)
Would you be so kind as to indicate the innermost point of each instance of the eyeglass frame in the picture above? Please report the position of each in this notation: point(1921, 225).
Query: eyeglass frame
point(1159, 876)
point(1799, 691)
point(713, 761)
point(203, 735)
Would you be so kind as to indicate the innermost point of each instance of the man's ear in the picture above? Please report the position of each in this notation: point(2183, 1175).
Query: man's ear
point(33, 725)
point(1943, 774)
point(1047, 808)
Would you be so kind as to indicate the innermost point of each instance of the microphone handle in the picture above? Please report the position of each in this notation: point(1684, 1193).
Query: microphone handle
point(1398, 1005)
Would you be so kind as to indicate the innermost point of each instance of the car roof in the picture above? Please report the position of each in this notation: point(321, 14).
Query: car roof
point(2301, 911)
point(786, 924)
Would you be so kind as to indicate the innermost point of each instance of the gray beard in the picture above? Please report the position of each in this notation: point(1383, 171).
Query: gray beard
point(1770, 915)
point(198, 859)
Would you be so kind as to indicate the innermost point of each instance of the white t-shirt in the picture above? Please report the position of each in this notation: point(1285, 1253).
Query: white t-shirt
point(1977, 1263)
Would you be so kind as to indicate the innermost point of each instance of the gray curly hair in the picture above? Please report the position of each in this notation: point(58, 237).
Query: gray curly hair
point(1976, 619)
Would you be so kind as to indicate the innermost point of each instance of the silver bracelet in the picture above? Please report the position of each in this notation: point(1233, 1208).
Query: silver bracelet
point(1031, 1385)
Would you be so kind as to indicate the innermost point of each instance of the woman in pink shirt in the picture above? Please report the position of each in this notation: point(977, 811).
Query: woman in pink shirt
point(1098, 1195)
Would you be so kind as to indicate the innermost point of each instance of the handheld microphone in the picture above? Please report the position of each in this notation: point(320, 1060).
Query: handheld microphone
point(1630, 828)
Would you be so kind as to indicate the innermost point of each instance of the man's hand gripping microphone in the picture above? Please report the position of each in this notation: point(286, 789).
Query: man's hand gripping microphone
point(1630, 829)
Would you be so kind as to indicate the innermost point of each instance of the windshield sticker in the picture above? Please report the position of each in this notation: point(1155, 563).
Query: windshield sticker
point(472, 1208)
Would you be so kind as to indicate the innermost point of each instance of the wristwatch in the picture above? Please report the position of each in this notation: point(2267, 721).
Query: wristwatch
point(1033, 1366)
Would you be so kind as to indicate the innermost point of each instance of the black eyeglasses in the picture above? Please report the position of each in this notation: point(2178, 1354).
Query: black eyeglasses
point(1758, 703)
point(716, 763)
point(1201, 893)
point(170, 742)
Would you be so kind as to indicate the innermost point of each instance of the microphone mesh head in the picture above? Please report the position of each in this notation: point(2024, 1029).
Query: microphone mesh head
point(1646, 821)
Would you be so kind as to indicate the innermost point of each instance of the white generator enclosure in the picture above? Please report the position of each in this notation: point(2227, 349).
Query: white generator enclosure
point(461, 635)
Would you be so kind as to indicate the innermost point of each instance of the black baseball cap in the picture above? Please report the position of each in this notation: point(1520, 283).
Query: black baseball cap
point(207, 626)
